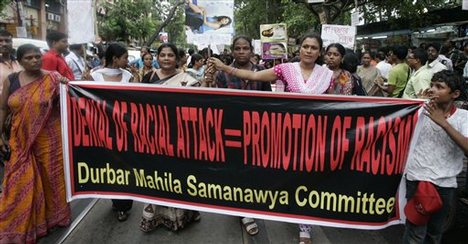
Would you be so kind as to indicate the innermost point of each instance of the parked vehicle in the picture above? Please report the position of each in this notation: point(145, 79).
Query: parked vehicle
point(38, 43)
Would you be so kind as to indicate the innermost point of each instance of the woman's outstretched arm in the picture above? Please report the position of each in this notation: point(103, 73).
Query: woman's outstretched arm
point(267, 75)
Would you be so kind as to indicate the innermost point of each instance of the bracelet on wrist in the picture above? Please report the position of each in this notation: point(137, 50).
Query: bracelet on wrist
point(231, 71)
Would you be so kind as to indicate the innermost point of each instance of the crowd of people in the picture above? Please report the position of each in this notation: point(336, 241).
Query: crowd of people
point(32, 200)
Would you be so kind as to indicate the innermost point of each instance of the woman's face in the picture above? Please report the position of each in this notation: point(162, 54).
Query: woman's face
point(224, 21)
point(366, 59)
point(148, 60)
point(333, 58)
point(121, 62)
point(310, 51)
point(242, 51)
point(200, 62)
point(167, 59)
point(31, 61)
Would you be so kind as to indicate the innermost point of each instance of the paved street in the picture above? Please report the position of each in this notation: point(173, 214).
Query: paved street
point(100, 226)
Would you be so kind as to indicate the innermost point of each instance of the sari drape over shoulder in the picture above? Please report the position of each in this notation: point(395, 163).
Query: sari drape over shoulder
point(33, 198)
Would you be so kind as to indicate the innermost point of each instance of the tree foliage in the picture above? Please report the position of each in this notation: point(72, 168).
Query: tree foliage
point(3, 4)
point(301, 16)
point(127, 19)
point(172, 17)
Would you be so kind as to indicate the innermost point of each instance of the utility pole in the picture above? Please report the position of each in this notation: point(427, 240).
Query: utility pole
point(19, 12)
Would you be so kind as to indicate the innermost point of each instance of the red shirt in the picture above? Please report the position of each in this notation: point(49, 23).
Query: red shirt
point(53, 61)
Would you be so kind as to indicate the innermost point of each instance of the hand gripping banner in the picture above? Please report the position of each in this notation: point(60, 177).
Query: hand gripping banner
point(327, 160)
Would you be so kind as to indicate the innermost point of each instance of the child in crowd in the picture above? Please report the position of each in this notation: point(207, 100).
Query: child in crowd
point(436, 159)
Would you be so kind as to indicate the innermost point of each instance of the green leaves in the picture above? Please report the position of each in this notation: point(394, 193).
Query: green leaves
point(127, 19)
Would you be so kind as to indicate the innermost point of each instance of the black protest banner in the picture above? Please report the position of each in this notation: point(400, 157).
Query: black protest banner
point(329, 160)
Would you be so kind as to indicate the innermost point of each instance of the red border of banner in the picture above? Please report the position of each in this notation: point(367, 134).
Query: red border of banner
point(284, 215)
point(234, 92)
point(136, 87)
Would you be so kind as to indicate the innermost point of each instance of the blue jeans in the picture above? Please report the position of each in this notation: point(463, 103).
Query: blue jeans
point(433, 230)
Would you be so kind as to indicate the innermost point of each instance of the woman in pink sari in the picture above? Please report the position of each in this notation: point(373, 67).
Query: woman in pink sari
point(33, 198)
point(305, 76)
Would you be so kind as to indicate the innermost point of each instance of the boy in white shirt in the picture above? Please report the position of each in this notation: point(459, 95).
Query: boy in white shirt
point(437, 156)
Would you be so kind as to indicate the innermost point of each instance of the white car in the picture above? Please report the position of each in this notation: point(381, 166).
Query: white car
point(38, 43)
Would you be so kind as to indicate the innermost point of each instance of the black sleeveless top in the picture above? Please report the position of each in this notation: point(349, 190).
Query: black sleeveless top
point(14, 82)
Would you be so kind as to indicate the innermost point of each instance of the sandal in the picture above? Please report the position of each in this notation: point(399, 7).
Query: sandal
point(196, 216)
point(304, 238)
point(122, 216)
point(250, 226)
point(148, 223)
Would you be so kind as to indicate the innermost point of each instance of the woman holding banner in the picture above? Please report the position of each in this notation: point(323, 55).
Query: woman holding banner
point(168, 74)
point(242, 50)
point(33, 200)
point(116, 60)
point(305, 76)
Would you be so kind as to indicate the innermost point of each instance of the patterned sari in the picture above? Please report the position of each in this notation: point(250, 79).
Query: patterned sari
point(33, 198)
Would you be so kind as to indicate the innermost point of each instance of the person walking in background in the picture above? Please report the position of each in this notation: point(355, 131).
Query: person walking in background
point(456, 56)
point(197, 67)
point(433, 62)
point(420, 79)
point(147, 64)
point(8, 63)
point(343, 84)
point(350, 64)
point(33, 200)
point(382, 65)
point(53, 60)
point(369, 75)
point(399, 73)
point(139, 62)
point(75, 60)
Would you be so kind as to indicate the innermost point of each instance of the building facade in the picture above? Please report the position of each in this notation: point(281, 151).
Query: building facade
point(34, 18)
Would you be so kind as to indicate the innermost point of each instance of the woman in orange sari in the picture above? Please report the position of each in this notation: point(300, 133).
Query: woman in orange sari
point(33, 198)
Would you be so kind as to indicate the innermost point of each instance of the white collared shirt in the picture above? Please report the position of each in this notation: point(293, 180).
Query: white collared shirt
point(436, 66)
point(76, 64)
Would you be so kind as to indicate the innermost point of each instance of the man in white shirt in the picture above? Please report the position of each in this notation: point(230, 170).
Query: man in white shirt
point(76, 61)
point(420, 79)
point(383, 66)
point(8, 64)
point(432, 58)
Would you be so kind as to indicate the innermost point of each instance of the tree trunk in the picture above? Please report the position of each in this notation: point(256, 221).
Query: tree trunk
point(324, 14)
point(165, 22)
